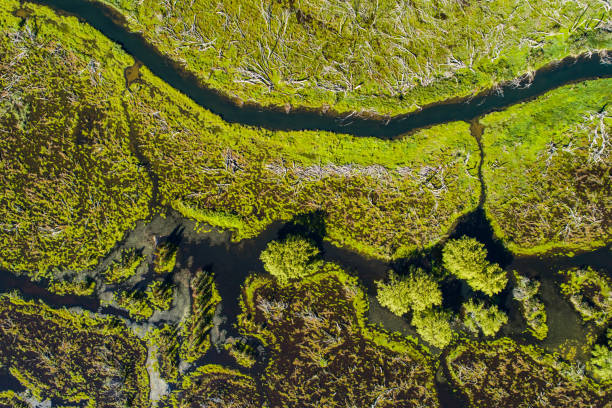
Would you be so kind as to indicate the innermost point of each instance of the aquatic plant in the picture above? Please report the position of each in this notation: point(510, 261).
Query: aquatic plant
point(526, 293)
point(590, 292)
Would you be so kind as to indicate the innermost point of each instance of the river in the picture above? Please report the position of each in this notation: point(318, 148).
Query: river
point(113, 25)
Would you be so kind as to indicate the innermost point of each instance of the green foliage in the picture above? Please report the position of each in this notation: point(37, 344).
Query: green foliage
point(525, 292)
point(136, 302)
point(122, 269)
point(73, 357)
point(386, 56)
point(434, 327)
point(195, 328)
point(416, 291)
point(478, 317)
point(466, 258)
point(547, 170)
point(165, 257)
point(294, 258)
point(70, 184)
point(74, 285)
point(601, 362)
point(141, 304)
point(590, 292)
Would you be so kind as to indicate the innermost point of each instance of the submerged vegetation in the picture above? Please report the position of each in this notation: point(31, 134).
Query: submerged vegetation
point(526, 292)
point(386, 56)
point(590, 293)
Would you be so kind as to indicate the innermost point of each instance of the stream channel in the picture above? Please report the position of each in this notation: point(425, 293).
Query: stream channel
point(232, 262)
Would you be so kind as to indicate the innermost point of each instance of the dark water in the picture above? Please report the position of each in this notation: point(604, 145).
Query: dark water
point(33, 290)
point(112, 25)
point(232, 262)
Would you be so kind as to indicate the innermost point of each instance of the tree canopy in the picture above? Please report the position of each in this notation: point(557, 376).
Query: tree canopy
point(466, 258)
point(434, 327)
point(416, 291)
point(479, 317)
point(293, 258)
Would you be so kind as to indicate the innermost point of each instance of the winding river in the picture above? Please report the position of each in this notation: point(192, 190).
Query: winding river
point(110, 23)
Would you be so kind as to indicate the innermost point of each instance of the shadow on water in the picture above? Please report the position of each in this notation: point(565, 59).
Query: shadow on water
point(113, 25)
point(476, 225)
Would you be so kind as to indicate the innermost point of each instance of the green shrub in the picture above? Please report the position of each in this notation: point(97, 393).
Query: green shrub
point(291, 259)
point(486, 319)
point(466, 258)
point(601, 361)
point(165, 257)
point(416, 291)
point(434, 327)
point(122, 269)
